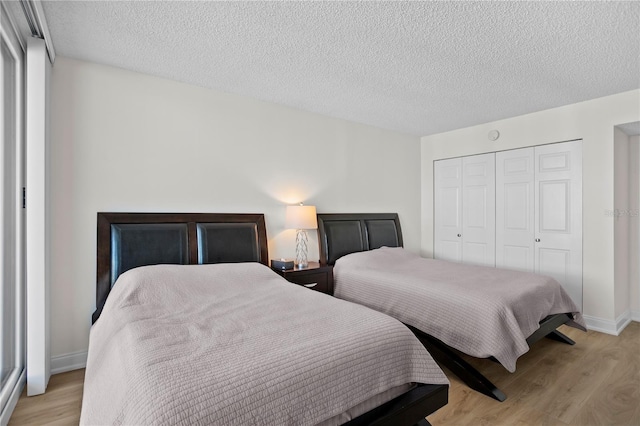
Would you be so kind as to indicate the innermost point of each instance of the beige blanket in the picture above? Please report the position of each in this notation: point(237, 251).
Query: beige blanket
point(235, 344)
point(478, 310)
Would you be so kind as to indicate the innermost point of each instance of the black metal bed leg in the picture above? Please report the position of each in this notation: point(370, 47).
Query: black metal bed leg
point(548, 328)
point(423, 422)
point(458, 366)
point(560, 337)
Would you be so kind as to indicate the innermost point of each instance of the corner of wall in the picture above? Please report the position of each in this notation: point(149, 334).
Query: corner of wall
point(606, 326)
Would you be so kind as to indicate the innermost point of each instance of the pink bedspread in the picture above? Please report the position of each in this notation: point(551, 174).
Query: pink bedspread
point(478, 310)
point(235, 344)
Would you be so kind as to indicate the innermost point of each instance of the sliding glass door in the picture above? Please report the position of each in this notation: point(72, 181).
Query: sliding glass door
point(12, 359)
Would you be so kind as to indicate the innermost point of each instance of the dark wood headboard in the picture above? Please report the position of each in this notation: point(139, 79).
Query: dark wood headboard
point(345, 233)
point(129, 240)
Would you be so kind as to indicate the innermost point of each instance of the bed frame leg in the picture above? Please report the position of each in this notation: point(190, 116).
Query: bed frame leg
point(458, 366)
point(548, 329)
point(560, 337)
point(423, 422)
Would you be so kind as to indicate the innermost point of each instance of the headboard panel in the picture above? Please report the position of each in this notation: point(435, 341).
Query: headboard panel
point(129, 240)
point(345, 233)
point(227, 242)
point(163, 242)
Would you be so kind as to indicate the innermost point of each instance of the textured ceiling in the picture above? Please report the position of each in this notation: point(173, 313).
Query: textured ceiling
point(415, 67)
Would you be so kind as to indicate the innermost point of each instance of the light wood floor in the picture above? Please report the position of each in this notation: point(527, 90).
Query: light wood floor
point(595, 382)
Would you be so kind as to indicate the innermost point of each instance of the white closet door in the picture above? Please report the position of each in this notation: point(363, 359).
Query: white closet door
point(478, 212)
point(448, 209)
point(515, 199)
point(558, 206)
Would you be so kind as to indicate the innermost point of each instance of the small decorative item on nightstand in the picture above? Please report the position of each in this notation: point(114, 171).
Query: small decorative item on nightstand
point(282, 264)
point(314, 276)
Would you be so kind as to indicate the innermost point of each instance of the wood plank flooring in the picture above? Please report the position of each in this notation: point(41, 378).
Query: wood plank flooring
point(60, 405)
point(595, 382)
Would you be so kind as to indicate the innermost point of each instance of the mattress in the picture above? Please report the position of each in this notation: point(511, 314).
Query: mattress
point(236, 344)
point(481, 311)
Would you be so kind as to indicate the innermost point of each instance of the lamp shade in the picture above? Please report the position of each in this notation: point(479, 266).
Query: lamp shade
point(301, 217)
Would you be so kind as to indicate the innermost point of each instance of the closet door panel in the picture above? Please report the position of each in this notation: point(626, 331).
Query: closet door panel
point(517, 198)
point(478, 201)
point(555, 262)
point(558, 207)
point(515, 209)
point(555, 206)
point(448, 209)
point(516, 257)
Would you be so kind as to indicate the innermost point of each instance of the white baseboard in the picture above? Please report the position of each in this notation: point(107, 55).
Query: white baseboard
point(68, 362)
point(609, 326)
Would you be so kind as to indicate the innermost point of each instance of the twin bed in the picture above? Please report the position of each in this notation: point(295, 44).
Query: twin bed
point(479, 311)
point(206, 333)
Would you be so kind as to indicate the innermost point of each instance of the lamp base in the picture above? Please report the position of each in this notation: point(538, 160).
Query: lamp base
point(302, 241)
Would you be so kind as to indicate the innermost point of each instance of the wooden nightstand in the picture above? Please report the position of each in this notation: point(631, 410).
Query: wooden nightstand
point(315, 276)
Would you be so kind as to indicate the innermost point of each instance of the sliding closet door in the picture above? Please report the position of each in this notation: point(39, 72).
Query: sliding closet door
point(558, 207)
point(515, 200)
point(448, 209)
point(478, 209)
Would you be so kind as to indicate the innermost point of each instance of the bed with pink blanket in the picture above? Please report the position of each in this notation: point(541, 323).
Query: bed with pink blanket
point(191, 327)
point(480, 311)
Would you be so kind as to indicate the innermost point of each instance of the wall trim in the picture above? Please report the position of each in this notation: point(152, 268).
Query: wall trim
point(68, 362)
point(611, 327)
point(622, 321)
point(37, 217)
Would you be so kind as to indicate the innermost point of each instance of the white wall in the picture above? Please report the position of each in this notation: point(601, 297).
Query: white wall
point(123, 141)
point(634, 227)
point(593, 122)
point(621, 220)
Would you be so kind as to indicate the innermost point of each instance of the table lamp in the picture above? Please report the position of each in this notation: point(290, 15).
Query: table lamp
point(301, 218)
